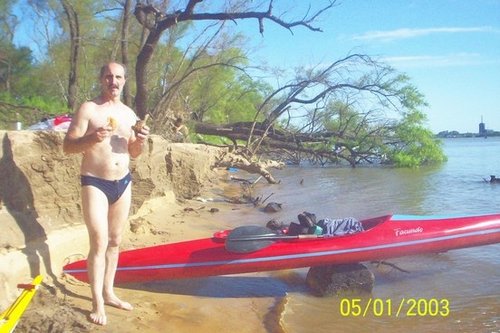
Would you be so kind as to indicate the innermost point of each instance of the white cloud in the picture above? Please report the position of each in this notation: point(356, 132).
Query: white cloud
point(405, 33)
point(455, 59)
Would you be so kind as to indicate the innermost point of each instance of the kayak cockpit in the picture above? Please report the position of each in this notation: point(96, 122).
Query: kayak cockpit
point(373, 222)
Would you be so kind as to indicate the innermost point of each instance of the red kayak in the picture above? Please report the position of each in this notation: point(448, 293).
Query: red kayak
point(383, 237)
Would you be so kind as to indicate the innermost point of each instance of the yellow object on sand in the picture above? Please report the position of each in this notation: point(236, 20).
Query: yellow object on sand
point(10, 317)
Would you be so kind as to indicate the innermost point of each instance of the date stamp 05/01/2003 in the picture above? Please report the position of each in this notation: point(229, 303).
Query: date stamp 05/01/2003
point(407, 307)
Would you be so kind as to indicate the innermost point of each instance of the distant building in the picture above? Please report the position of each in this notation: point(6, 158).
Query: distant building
point(482, 128)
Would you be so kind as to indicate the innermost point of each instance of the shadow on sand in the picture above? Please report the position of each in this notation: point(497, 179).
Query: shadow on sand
point(16, 195)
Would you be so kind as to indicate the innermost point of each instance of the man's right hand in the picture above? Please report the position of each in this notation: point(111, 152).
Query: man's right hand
point(103, 132)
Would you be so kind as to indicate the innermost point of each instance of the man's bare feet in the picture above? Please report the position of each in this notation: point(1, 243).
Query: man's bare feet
point(114, 301)
point(98, 315)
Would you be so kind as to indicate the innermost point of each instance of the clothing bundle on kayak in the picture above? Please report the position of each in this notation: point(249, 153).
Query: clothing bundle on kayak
point(327, 226)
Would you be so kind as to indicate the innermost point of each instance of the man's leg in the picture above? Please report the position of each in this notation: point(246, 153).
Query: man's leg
point(95, 214)
point(117, 217)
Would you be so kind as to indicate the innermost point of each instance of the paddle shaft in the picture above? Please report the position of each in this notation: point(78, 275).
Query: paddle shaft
point(275, 237)
point(247, 239)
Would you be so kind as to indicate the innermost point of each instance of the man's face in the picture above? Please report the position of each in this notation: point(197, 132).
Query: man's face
point(113, 80)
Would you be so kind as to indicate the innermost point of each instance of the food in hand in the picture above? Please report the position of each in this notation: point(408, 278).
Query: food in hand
point(139, 124)
point(112, 123)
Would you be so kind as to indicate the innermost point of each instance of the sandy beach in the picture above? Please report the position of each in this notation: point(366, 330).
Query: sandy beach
point(177, 195)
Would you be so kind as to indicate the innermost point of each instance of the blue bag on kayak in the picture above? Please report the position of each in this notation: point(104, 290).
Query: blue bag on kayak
point(340, 227)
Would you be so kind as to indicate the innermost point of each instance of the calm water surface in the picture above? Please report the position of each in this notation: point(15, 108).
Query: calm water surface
point(468, 279)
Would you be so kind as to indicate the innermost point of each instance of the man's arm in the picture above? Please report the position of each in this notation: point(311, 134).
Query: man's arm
point(77, 140)
point(137, 142)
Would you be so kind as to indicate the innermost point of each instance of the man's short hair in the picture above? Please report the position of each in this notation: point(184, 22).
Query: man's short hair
point(104, 67)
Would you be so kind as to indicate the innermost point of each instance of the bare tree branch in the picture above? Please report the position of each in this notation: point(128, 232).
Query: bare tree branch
point(157, 22)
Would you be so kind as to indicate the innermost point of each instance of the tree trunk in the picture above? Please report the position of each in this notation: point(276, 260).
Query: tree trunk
point(141, 97)
point(74, 29)
point(127, 97)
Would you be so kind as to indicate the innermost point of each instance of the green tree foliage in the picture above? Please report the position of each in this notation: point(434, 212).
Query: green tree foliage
point(15, 62)
point(28, 109)
point(15, 69)
point(22, 94)
point(205, 82)
point(415, 144)
point(224, 94)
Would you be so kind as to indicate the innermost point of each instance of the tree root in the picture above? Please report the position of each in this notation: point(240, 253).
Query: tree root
point(382, 262)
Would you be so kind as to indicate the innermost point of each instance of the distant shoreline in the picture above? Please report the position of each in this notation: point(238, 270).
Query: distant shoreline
point(455, 134)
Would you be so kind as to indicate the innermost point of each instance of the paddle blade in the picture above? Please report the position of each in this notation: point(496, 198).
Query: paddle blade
point(248, 239)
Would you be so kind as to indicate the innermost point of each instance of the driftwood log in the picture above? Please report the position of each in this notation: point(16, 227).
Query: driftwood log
point(249, 165)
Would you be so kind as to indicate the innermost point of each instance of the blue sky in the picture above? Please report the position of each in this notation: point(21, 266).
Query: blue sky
point(449, 48)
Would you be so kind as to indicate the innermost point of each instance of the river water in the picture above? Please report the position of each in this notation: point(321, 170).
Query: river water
point(457, 291)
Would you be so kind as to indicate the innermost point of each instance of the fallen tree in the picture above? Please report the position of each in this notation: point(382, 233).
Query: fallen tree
point(336, 123)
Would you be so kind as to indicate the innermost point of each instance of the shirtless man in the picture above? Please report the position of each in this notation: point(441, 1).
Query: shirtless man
point(101, 130)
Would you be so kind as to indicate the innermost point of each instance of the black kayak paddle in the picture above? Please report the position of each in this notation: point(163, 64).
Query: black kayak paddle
point(251, 238)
